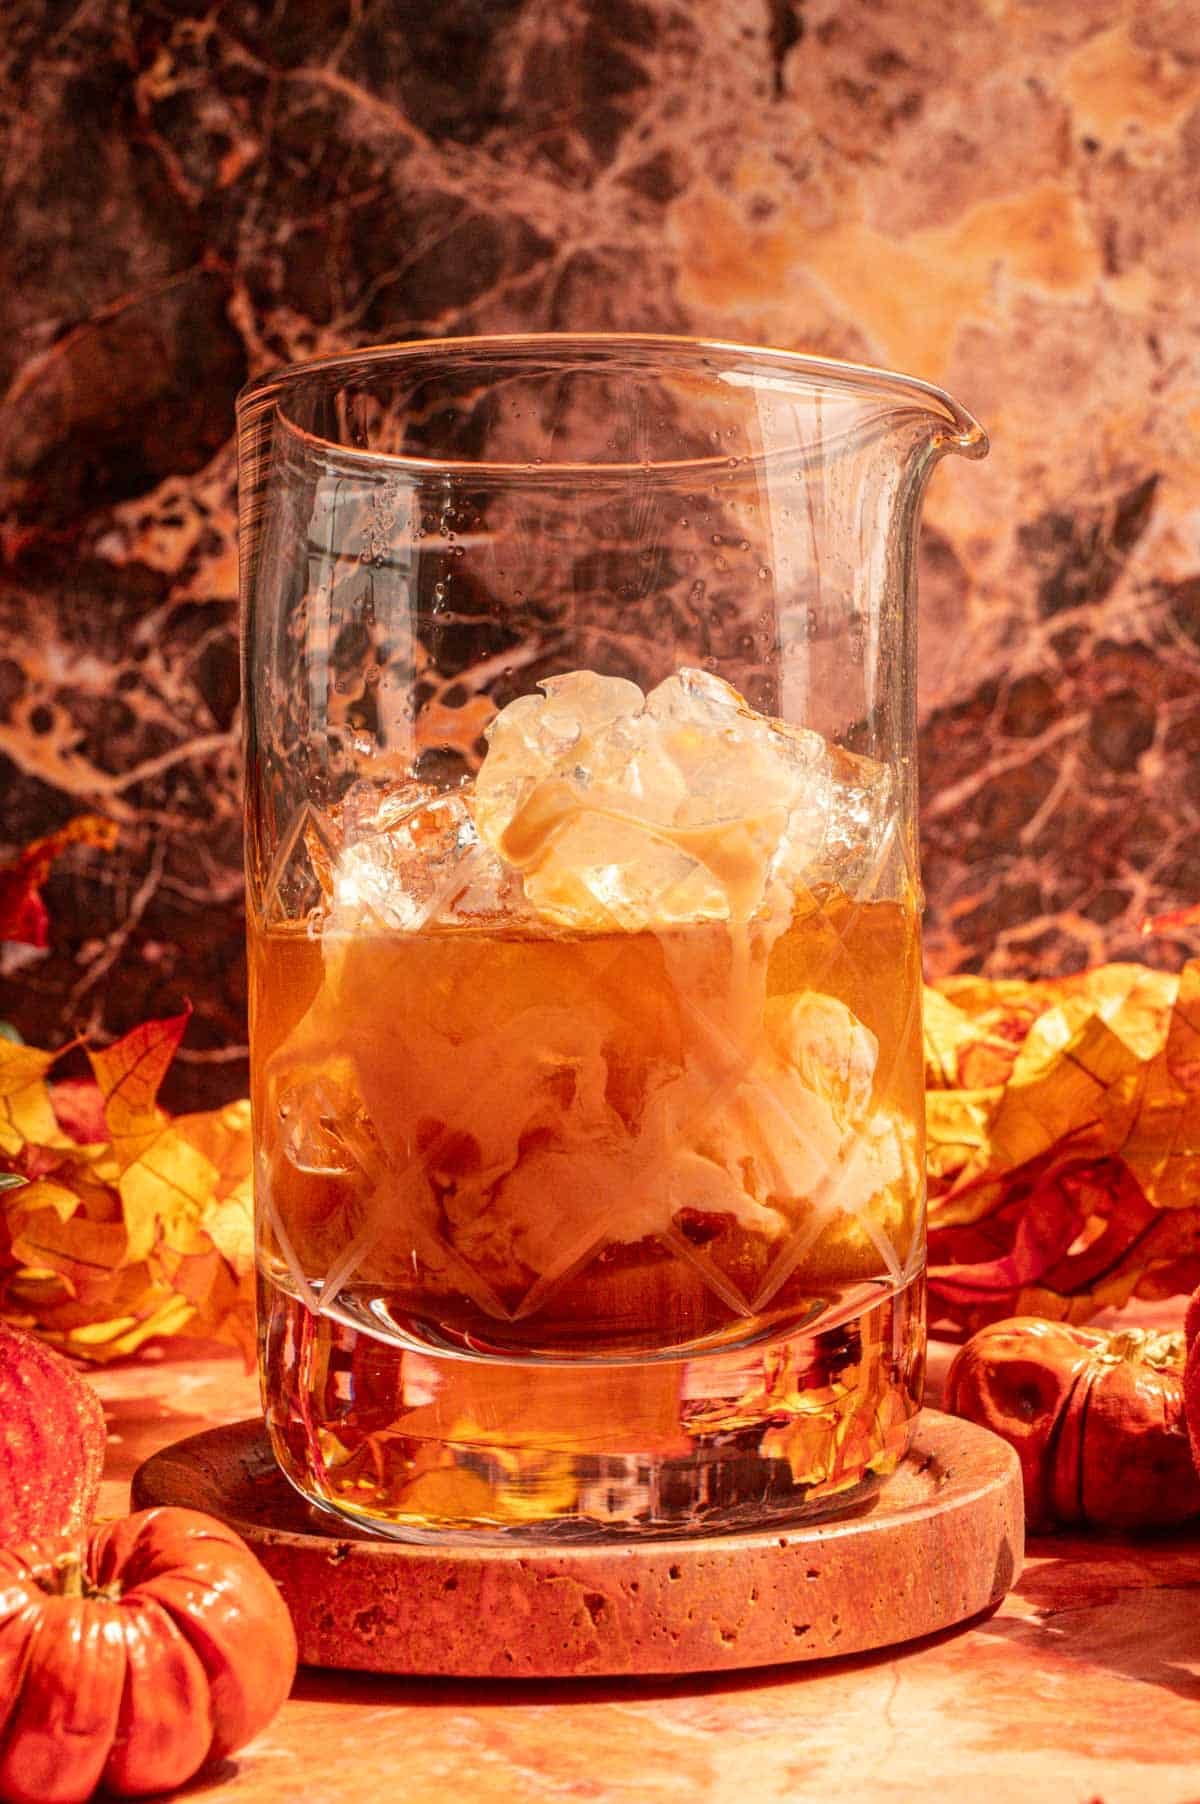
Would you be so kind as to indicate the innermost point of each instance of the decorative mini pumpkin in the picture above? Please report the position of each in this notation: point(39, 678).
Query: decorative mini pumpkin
point(1096, 1418)
point(163, 1646)
point(52, 1444)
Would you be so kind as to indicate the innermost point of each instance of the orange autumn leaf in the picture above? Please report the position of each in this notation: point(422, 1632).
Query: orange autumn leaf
point(130, 1072)
point(128, 1222)
point(163, 1176)
point(22, 912)
point(1073, 1183)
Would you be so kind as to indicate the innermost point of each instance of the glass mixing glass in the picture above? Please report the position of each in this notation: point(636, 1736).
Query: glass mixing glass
point(584, 930)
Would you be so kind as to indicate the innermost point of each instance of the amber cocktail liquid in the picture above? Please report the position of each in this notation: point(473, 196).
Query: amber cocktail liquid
point(584, 933)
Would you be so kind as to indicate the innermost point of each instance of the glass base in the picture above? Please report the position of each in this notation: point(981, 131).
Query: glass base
point(430, 1446)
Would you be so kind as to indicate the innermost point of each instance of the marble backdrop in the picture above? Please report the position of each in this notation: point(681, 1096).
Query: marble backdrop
point(1001, 196)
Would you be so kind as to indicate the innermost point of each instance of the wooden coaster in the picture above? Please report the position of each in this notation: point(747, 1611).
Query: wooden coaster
point(942, 1541)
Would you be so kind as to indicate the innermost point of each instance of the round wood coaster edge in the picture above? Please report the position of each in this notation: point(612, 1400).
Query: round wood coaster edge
point(529, 1611)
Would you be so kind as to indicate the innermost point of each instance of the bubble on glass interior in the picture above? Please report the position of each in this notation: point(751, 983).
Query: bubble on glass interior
point(598, 807)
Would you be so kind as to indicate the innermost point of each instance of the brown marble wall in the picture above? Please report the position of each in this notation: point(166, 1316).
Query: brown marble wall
point(1001, 196)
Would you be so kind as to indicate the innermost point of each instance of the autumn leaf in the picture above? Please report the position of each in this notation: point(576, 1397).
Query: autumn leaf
point(27, 1115)
point(163, 1174)
point(1074, 1183)
point(78, 1104)
point(120, 1222)
point(22, 912)
point(128, 1075)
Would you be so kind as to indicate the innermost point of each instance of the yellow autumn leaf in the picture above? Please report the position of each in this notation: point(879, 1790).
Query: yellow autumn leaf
point(1066, 1097)
point(27, 1116)
point(230, 1227)
point(170, 1184)
point(119, 1338)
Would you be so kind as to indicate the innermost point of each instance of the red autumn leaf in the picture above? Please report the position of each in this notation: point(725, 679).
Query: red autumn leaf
point(1024, 1240)
point(1066, 1233)
point(78, 1104)
point(130, 1071)
point(1191, 1321)
point(23, 915)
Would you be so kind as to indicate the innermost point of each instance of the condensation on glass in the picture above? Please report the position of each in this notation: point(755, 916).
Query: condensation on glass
point(584, 930)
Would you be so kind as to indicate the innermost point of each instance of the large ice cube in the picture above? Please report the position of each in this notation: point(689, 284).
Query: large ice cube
point(619, 809)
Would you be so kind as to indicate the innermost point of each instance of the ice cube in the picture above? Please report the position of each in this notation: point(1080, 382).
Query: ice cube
point(589, 701)
point(411, 853)
point(730, 755)
point(644, 811)
point(862, 841)
point(324, 1130)
point(698, 697)
point(571, 729)
point(830, 1050)
point(608, 871)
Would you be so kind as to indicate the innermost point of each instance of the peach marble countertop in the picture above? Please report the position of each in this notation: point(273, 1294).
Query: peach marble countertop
point(1082, 1688)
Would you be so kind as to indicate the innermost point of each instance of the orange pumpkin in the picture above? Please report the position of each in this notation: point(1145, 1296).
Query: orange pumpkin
point(1096, 1418)
point(161, 1646)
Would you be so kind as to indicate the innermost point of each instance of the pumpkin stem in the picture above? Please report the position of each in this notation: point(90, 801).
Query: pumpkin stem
point(71, 1580)
point(1160, 1349)
point(69, 1568)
